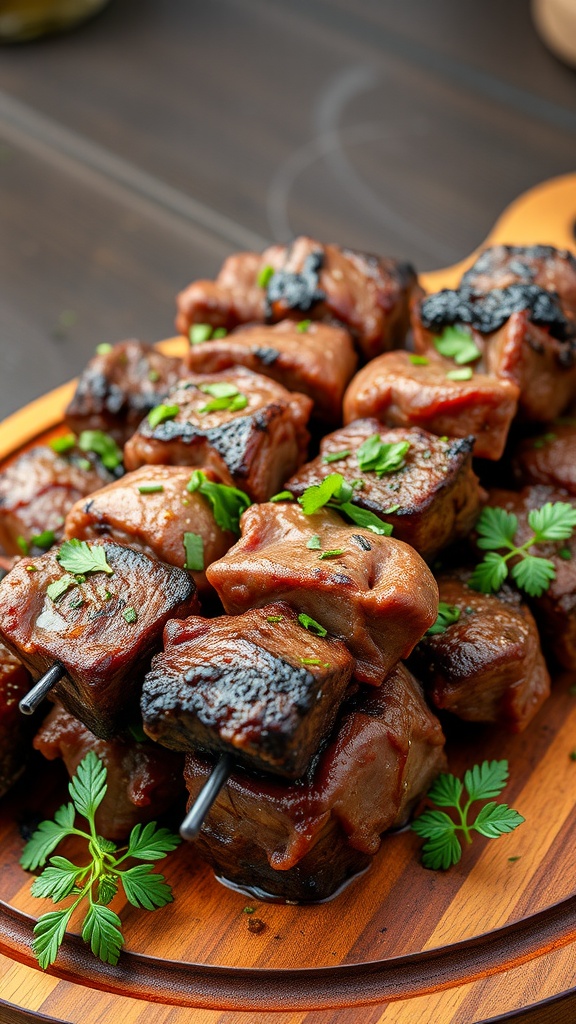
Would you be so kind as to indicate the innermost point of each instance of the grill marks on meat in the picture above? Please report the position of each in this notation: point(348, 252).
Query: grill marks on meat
point(548, 458)
point(15, 729)
point(152, 523)
point(367, 294)
point(541, 265)
point(255, 448)
point(555, 610)
point(118, 388)
point(436, 490)
point(379, 601)
point(143, 779)
point(38, 489)
point(318, 362)
point(302, 841)
point(489, 312)
point(256, 685)
point(399, 394)
point(487, 666)
point(104, 655)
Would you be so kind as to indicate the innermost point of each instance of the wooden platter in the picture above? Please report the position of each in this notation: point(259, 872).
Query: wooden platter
point(494, 938)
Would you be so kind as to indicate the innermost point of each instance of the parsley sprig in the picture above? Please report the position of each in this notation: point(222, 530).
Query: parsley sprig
point(227, 503)
point(482, 782)
point(378, 456)
point(448, 614)
point(96, 882)
point(335, 492)
point(80, 558)
point(497, 528)
point(457, 344)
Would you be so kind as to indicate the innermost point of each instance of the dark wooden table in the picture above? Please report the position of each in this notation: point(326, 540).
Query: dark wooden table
point(139, 150)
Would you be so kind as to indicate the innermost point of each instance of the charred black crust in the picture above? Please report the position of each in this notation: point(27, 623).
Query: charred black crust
point(266, 356)
point(489, 312)
point(519, 260)
point(296, 290)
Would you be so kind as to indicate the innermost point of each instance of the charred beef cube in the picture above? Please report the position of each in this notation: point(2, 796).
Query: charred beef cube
point(372, 592)
point(302, 841)
point(548, 458)
point(430, 500)
point(15, 730)
point(143, 779)
point(247, 428)
point(118, 388)
point(315, 359)
point(542, 265)
point(151, 510)
point(368, 294)
point(555, 610)
point(36, 492)
point(103, 627)
point(487, 665)
point(402, 393)
point(257, 685)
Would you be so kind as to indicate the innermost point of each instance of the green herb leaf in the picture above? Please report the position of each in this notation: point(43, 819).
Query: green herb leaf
point(227, 503)
point(274, 618)
point(303, 326)
point(448, 614)
point(194, 548)
point(336, 456)
point(434, 824)
point(465, 373)
point(486, 780)
point(374, 455)
point(457, 344)
point(78, 557)
point(489, 575)
point(146, 889)
point(264, 276)
point(43, 540)
point(310, 661)
point(107, 889)
point(495, 820)
point(222, 389)
point(162, 412)
point(496, 528)
point(282, 496)
point(23, 545)
point(103, 348)
point(49, 931)
point(147, 842)
point(533, 574)
point(57, 881)
point(554, 521)
point(102, 445)
point(314, 543)
point(88, 786)
point(310, 624)
point(150, 489)
point(446, 791)
point(334, 553)
point(102, 929)
point(60, 586)
point(318, 495)
point(417, 360)
point(363, 517)
point(130, 615)
point(199, 333)
point(442, 853)
point(46, 838)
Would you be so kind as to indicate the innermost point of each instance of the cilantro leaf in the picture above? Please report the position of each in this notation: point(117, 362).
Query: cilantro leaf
point(489, 575)
point(88, 786)
point(145, 888)
point(59, 587)
point(486, 780)
point(380, 457)
point(495, 820)
point(496, 528)
point(102, 930)
point(48, 934)
point(554, 521)
point(151, 843)
point(227, 503)
point(457, 344)
point(336, 456)
point(160, 413)
point(79, 558)
point(363, 517)
point(314, 543)
point(101, 444)
point(446, 791)
point(533, 574)
point(448, 614)
point(318, 495)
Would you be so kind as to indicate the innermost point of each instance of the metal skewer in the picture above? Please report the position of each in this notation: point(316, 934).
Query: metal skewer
point(194, 820)
point(33, 699)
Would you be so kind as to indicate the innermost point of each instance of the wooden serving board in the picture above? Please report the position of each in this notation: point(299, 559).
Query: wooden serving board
point(494, 938)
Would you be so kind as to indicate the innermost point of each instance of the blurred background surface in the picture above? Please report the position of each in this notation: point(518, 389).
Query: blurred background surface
point(140, 149)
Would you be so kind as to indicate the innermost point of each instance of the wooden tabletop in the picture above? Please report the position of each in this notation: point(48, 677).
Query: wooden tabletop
point(140, 149)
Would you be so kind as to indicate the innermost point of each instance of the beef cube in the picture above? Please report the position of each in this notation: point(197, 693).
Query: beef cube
point(257, 685)
point(104, 628)
point(36, 492)
point(118, 388)
point(555, 610)
point(306, 279)
point(302, 841)
point(153, 521)
point(15, 730)
point(372, 592)
point(315, 359)
point(143, 780)
point(433, 496)
point(487, 666)
point(401, 393)
point(548, 458)
point(542, 265)
point(254, 436)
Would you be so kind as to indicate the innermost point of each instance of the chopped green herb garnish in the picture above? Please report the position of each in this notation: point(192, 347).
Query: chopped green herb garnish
point(102, 445)
point(249, 910)
point(225, 396)
point(219, 332)
point(303, 326)
point(336, 456)
point(194, 548)
point(544, 440)
point(228, 503)
point(43, 540)
point(150, 489)
point(363, 517)
point(60, 586)
point(274, 618)
point(457, 344)
point(390, 511)
point(447, 615)
point(379, 457)
point(311, 625)
point(199, 333)
point(31, 568)
point(103, 349)
point(282, 496)
point(310, 661)
point(162, 412)
point(335, 492)
point(565, 553)
point(318, 495)
point(482, 782)
point(77, 602)
point(497, 529)
point(511, 860)
point(264, 276)
point(334, 553)
point(464, 373)
point(76, 556)
point(130, 615)
point(62, 444)
point(417, 360)
point(137, 732)
point(23, 545)
point(84, 464)
point(314, 543)
point(153, 376)
point(99, 880)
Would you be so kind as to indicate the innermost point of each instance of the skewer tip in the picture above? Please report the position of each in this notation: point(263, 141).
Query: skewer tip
point(194, 820)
